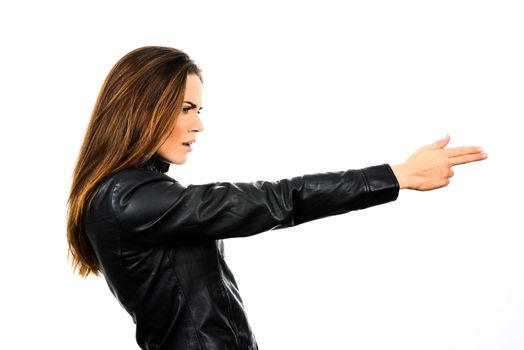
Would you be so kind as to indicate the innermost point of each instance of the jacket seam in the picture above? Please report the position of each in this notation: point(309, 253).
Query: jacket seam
point(367, 188)
point(121, 228)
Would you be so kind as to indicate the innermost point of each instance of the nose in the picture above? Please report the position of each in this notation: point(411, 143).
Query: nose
point(198, 125)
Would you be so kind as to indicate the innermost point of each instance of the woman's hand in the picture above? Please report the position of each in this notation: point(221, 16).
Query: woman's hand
point(429, 167)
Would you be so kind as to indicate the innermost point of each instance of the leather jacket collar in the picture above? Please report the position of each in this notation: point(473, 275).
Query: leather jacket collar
point(155, 163)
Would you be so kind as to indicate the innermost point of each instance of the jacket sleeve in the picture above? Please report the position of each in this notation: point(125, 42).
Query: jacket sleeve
point(160, 210)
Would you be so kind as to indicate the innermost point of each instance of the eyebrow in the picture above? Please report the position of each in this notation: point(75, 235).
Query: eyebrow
point(192, 104)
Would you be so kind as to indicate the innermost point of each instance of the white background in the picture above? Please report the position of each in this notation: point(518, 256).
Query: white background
point(289, 88)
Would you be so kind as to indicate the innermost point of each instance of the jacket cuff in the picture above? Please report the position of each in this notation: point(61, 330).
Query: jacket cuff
point(382, 184)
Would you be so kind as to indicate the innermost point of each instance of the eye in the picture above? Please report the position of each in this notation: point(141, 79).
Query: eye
point(187, 109)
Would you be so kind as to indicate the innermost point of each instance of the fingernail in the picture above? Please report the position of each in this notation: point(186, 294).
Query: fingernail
point(484, 155)
point(480, 149)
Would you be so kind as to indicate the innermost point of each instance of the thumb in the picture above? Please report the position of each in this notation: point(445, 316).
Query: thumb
point(439, 144)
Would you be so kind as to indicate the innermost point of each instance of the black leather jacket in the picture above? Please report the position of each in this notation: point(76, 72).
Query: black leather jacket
point(160, 244)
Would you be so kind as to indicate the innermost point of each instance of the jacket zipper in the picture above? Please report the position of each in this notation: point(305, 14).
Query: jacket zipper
point(229, 308)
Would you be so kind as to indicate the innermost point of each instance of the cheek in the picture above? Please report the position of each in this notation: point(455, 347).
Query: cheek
point(176, 135)
point(171, 142)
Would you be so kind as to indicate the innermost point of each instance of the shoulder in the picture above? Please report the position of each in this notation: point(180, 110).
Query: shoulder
point(117, 189)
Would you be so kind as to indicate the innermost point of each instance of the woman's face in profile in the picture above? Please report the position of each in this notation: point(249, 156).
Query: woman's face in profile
point(175, 149)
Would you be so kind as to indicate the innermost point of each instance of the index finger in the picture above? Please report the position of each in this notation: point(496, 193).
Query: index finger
point(460, 151)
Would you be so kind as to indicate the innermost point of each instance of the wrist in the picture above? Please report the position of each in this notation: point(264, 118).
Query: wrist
point(400, 173)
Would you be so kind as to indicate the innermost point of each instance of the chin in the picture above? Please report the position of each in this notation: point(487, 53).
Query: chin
point(176, 159)
point(179, 161)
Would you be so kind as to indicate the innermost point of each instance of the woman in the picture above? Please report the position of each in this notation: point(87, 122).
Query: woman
point(159, 244)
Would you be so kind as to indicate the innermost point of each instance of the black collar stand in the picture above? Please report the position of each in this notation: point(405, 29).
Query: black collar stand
point(155, 163)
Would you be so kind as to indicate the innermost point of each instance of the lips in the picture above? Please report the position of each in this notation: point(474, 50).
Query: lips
point(188, 143)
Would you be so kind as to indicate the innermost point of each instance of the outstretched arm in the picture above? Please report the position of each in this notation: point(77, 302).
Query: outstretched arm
point(159, 210)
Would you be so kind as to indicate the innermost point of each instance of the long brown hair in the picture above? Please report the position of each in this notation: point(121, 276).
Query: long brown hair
point(134, 113)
